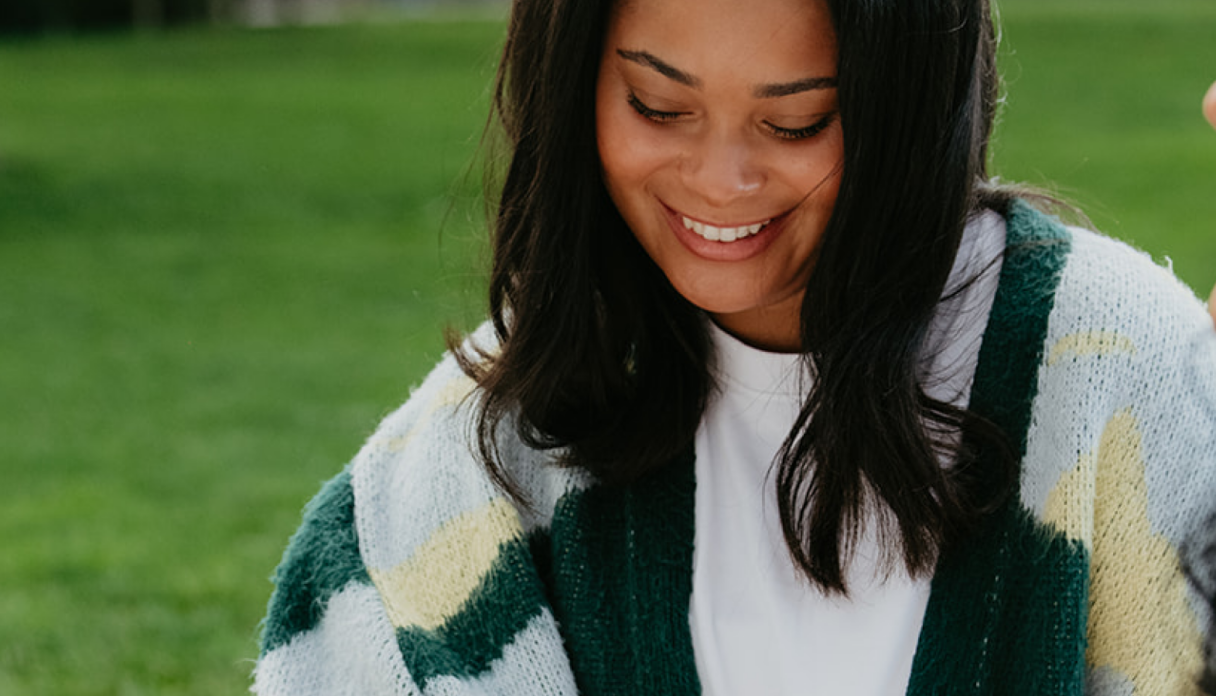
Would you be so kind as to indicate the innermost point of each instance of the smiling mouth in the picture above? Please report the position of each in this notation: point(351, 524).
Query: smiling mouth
point(722, 234)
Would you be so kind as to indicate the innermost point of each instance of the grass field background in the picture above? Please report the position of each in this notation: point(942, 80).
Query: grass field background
point(224, 255)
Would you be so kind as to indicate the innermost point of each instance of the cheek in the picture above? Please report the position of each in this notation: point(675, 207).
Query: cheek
point(818, 171)
point(631, 150)
point(626, 148)
point(612, 141)
point(829, 187)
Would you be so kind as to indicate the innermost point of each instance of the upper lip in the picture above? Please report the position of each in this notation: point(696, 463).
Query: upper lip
point(752, 221)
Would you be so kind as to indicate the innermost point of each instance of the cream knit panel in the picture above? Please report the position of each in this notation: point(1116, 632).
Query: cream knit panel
point(1120, 454)
point(352, 651)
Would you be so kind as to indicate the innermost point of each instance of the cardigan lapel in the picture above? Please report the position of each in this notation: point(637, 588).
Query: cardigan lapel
point(620, 580)
point(1006, 612)
point(1007, 609)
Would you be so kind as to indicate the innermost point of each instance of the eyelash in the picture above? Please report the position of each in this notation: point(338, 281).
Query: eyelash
point(652, 114)
point(804, 132)
point(783, 133)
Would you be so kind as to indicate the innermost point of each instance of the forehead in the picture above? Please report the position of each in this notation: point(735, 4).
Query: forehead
point(770, 40)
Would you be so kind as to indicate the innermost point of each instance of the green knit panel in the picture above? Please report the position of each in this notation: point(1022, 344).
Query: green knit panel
point(508, 598)
point(621, 583)
point(1006, 375)
point(1007, 610)
point(321, 558)
point(1006, 615)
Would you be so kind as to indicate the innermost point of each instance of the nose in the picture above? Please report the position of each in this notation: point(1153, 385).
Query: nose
point(723, 168)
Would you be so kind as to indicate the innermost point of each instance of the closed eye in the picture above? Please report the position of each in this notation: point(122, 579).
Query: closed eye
point(652, 114)
point(804, 132)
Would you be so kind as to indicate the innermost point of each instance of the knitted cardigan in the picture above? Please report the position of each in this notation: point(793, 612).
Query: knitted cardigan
point(412, 574)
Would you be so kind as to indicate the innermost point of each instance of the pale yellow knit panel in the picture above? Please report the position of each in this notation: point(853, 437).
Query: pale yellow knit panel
point(431, 586)
point(450, 394)
point(1140, 623)
point(1070, 505)
point(1091, 343)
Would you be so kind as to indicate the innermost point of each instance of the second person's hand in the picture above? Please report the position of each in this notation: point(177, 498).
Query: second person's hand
point(1209, 111)
point(1209, 105)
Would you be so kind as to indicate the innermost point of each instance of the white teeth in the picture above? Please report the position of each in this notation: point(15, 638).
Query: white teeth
point(723, 234)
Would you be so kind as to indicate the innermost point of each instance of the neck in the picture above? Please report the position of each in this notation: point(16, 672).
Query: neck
point(775, 328)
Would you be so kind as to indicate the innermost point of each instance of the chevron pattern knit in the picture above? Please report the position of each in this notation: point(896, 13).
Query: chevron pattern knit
point(411, 574)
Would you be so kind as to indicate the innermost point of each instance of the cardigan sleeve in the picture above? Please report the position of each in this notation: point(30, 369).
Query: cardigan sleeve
point(412, 573)
point(326, 629)
point(1122, 458)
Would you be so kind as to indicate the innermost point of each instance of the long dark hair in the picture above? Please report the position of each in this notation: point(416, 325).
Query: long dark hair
point(598, 355)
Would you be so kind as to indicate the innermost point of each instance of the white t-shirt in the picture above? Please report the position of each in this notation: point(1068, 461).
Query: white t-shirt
point(758, 627)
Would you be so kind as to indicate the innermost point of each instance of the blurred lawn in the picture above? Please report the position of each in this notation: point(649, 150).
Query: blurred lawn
point(1103, 105)
point(224, 255)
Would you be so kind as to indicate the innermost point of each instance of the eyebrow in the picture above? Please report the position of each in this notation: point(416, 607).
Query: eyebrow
point(783, 89)
point(665, 69)
point(765, 91)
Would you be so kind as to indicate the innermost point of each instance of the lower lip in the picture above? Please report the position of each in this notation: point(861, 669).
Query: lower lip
point(738, 250)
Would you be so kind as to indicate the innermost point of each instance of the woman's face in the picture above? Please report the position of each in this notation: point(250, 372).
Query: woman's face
point(720, 143)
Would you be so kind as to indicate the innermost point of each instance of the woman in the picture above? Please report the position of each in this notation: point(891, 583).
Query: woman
point(779, 393)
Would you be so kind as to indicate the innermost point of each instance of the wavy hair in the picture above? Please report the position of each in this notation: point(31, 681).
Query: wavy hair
point(598, 355)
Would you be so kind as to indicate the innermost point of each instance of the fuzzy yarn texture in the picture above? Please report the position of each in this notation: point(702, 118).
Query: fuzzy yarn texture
point(412, 574)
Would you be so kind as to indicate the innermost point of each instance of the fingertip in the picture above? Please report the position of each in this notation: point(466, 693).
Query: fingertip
point(1209, 105)
point(1212, 305)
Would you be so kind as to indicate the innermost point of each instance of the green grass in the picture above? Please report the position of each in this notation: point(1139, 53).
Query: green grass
point(1103, 105)
point(225, 255)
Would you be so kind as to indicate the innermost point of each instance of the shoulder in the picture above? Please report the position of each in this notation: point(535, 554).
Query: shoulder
point(1107, 283)
point(326, 553)
point(404, 538)
point(1121, 452)
point(419, 475)
point(1093, 280)
point(1133, 346)
point(1125, 396)
point(1128, 332)
point(1125, 337)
